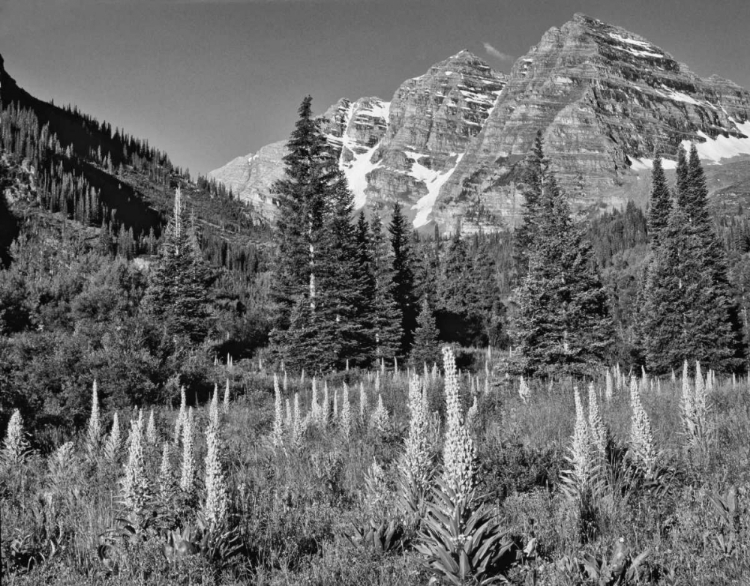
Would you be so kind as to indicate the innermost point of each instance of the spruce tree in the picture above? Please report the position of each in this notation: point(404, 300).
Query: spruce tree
point(686, 312)
point(387, 317)
point(425, 349)
point(366, 268)
point(310, 177)
point(309, 166)
point(535, 168)
point(563, 324)
point(689, 310)
point(403, 277)
point(343, 304)
point(456, 283)
point(178, 291)
point(683, 178)
point(423, 257)
point(661, 203)
point(485, 294)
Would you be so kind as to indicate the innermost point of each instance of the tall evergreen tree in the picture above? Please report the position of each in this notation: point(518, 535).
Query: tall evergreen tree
point(366, 264)
point(309, 166)
point(456, 281)
point(403, 277)
point(387, 316)
point(343, 307)
point(178, 291)
point(683, 179)
point(689, 310)
point(423, 257)
point(686, 312)
point(661, 203)
point(563, 324)
point(485, 294)
point(425, 349)
point(535, 170)
point(310, 177)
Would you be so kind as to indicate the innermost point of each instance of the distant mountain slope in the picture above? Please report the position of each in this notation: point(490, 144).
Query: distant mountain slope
point(401, 150)
point(98, 175)
point(449, 144)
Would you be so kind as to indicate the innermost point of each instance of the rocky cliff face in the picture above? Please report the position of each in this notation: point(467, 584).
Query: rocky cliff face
point(606, 100)
point(450, 143)
point(403, 150)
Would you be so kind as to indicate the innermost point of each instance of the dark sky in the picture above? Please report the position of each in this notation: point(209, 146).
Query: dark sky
point(209, 80)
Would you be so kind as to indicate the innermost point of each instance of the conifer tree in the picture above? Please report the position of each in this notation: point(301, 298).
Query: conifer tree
point(403, 277)
point(535, 170)
point(425, 284)
point(689, 312)
point(179, 283)
point(563, 324)
point(682, 173)
point(343, 304)
point(425, 349)
point(661, 203)
point(387, 316)
point(301, 195)
point(310, 177)
point(485, 292)
point(365, 262)
point(456, 281)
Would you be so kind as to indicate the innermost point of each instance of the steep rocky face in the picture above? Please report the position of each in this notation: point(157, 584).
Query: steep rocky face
point(433, 119)
point(606, 100)
point(403, 150)
point(450, 144)
point(250, 178)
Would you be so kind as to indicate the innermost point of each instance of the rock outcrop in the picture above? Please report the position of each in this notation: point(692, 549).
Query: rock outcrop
point(403, 150)
point(606, 100)
point(451, 142)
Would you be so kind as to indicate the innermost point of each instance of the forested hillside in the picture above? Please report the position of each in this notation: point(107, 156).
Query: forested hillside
point(81, 223)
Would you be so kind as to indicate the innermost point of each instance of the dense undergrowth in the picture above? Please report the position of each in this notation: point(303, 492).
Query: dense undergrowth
point(318, 508)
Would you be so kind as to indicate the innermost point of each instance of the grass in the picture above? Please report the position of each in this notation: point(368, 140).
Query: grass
point(293, 511)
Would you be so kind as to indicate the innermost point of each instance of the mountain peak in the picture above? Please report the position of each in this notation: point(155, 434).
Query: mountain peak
point(451, 142)
point(462, 55)
point(582, 18)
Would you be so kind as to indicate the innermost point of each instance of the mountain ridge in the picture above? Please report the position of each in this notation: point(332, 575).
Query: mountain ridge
point(606, 100)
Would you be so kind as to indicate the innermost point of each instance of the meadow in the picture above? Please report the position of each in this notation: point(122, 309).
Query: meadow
point(394, 477)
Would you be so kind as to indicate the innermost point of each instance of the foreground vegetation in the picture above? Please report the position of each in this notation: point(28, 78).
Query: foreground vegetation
point(316, 485)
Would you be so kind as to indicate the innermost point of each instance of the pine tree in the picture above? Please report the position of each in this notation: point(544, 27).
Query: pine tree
point(686, 313)
point(689, 312)
point(425, 349)
point(456, 281)
point(563, 324)
point(365, 263)
point(403, 277)
point(301, 195)
point(343, 312)
point(535, 170)
point(661, 203)
point(425, 284)
point(387, 316)
point(310, 176)
point(683, 178)
point(485, 294)
point(179, 284)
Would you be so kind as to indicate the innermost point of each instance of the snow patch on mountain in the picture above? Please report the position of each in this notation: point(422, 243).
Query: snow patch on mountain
point(629, 41)
point(356, 172)
point(359, 167)
point(645, 164)
point(722, 147)
point(433, 181)
point(681, 97)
